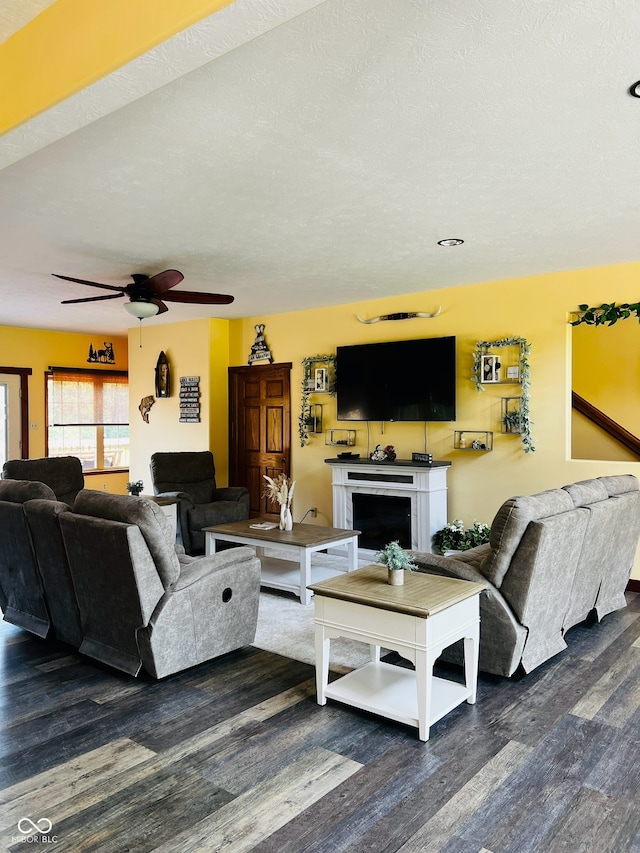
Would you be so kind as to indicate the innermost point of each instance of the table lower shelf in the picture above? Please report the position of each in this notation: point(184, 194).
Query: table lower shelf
point(391, 691)
point(276, 573)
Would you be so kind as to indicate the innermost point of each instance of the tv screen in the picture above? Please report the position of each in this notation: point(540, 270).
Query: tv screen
point(397, 381)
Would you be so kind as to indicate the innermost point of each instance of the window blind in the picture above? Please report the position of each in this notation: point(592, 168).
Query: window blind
point(88, 397)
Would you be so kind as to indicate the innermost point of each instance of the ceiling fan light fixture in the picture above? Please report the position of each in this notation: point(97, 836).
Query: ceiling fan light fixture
point(141, 309)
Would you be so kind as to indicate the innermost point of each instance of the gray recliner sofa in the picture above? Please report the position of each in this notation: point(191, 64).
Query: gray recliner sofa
point(63, 474)
point(190, 477)
point(553, 558)
point(143, 606)
point(22, 597)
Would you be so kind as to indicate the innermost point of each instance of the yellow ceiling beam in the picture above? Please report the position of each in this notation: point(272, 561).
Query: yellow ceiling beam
point(73, 43)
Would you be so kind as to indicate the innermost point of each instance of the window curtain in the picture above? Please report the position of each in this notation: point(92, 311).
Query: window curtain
point(88, 398)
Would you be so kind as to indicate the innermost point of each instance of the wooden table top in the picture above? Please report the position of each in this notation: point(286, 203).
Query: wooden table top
point(420, 595)
point(303, 535)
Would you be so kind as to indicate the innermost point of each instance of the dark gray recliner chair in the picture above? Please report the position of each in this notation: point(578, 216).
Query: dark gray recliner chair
point(190, 476)
point(63, 474)
point(143, 607)
point(21, 593)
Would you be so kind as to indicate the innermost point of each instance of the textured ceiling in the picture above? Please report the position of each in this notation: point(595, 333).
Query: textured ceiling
point(301, 153)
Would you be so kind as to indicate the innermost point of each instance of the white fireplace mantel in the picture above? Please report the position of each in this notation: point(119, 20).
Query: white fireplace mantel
point(423, 483)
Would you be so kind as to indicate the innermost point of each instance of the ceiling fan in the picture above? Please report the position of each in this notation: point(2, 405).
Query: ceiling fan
point(148, 294)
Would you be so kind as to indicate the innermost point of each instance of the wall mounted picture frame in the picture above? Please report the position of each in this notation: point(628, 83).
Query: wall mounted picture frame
point(321, 379)
point(490, 369)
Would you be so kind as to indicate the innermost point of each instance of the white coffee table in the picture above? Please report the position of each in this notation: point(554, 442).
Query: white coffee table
point(301, 543)
point(418, 620)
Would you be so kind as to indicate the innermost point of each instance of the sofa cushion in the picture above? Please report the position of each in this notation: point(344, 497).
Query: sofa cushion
point(619, 484)
point(510, 523)
point(19, 491)
point(144, 513)
point(586, 492)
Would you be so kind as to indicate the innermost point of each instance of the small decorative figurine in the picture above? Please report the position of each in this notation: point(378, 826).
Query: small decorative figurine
point(163, 376)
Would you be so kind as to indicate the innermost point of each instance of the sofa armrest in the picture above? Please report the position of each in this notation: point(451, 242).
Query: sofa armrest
point(199, 567)
point(502, 638)
point(448, 567)
point(230, 493)
point(179, 496)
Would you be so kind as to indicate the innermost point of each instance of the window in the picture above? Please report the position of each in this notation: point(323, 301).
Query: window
point(88, 417)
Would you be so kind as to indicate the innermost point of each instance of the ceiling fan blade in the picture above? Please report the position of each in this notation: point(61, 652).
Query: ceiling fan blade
point(92, 298)
point(157, 284)
point(161, 306)
point(197, 298)
point(90, 283)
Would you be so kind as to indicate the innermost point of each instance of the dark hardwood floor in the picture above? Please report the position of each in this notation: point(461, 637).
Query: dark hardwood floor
point(235, 755)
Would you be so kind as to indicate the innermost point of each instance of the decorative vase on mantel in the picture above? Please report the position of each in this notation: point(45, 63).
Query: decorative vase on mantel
point(286, 519)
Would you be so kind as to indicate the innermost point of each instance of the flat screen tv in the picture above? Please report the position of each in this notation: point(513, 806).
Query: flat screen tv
point(397, 381)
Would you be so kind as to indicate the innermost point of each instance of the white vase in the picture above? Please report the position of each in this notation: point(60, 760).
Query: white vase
point(286, 521)
point(395, 577)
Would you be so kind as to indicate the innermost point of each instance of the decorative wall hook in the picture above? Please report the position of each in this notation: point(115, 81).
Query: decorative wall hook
point(402, 315)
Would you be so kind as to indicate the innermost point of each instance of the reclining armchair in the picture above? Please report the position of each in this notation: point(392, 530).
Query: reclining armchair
point(190, 477)
point(63, 474)
point(142, 602)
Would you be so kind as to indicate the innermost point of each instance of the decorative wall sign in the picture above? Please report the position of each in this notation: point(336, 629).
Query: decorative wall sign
point(163, 376)
point(259, 349)
point(189, 399)
point(101, 356)
point(145, 407)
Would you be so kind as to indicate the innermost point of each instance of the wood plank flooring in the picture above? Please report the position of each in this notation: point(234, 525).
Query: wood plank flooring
point(235, 755)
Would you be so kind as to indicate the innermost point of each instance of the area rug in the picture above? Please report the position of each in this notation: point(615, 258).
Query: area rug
point(285, 626)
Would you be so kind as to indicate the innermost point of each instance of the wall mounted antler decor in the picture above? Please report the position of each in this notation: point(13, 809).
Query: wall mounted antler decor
point(402, 315)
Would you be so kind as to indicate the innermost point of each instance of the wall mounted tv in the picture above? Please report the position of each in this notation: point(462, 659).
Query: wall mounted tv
point(397, 381)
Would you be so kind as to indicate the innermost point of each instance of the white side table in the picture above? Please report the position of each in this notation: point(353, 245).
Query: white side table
point(418, 620)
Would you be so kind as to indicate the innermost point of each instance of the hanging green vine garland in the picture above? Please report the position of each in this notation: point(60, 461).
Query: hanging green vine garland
point(608, 313)
point(307, 389)
point(482, 348)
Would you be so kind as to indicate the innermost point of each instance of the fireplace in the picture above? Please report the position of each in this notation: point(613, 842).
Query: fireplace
point(403, 500)
point(382, 519)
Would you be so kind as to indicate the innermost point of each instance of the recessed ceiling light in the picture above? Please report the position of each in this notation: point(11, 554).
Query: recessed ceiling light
point(451, 241)
point(635, 90)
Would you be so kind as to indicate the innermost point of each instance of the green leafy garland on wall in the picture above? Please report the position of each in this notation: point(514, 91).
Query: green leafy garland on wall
point(608, 313)
point(482, 347)
point(305, 407)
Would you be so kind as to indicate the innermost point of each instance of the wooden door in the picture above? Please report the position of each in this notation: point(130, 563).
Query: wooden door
point(259, 429)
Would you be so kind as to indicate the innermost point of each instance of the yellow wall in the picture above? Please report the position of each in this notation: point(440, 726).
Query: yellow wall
point(73, 43)
point(606, 372)
point(195, 348)
point(535, 308)
point(41, 349)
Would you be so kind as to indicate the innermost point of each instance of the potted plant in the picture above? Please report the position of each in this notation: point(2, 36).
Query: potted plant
point(135, 488)
point(512, 421)
point(454, 538)
point(450, 538)
point(397, 560)
point(476, 535)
